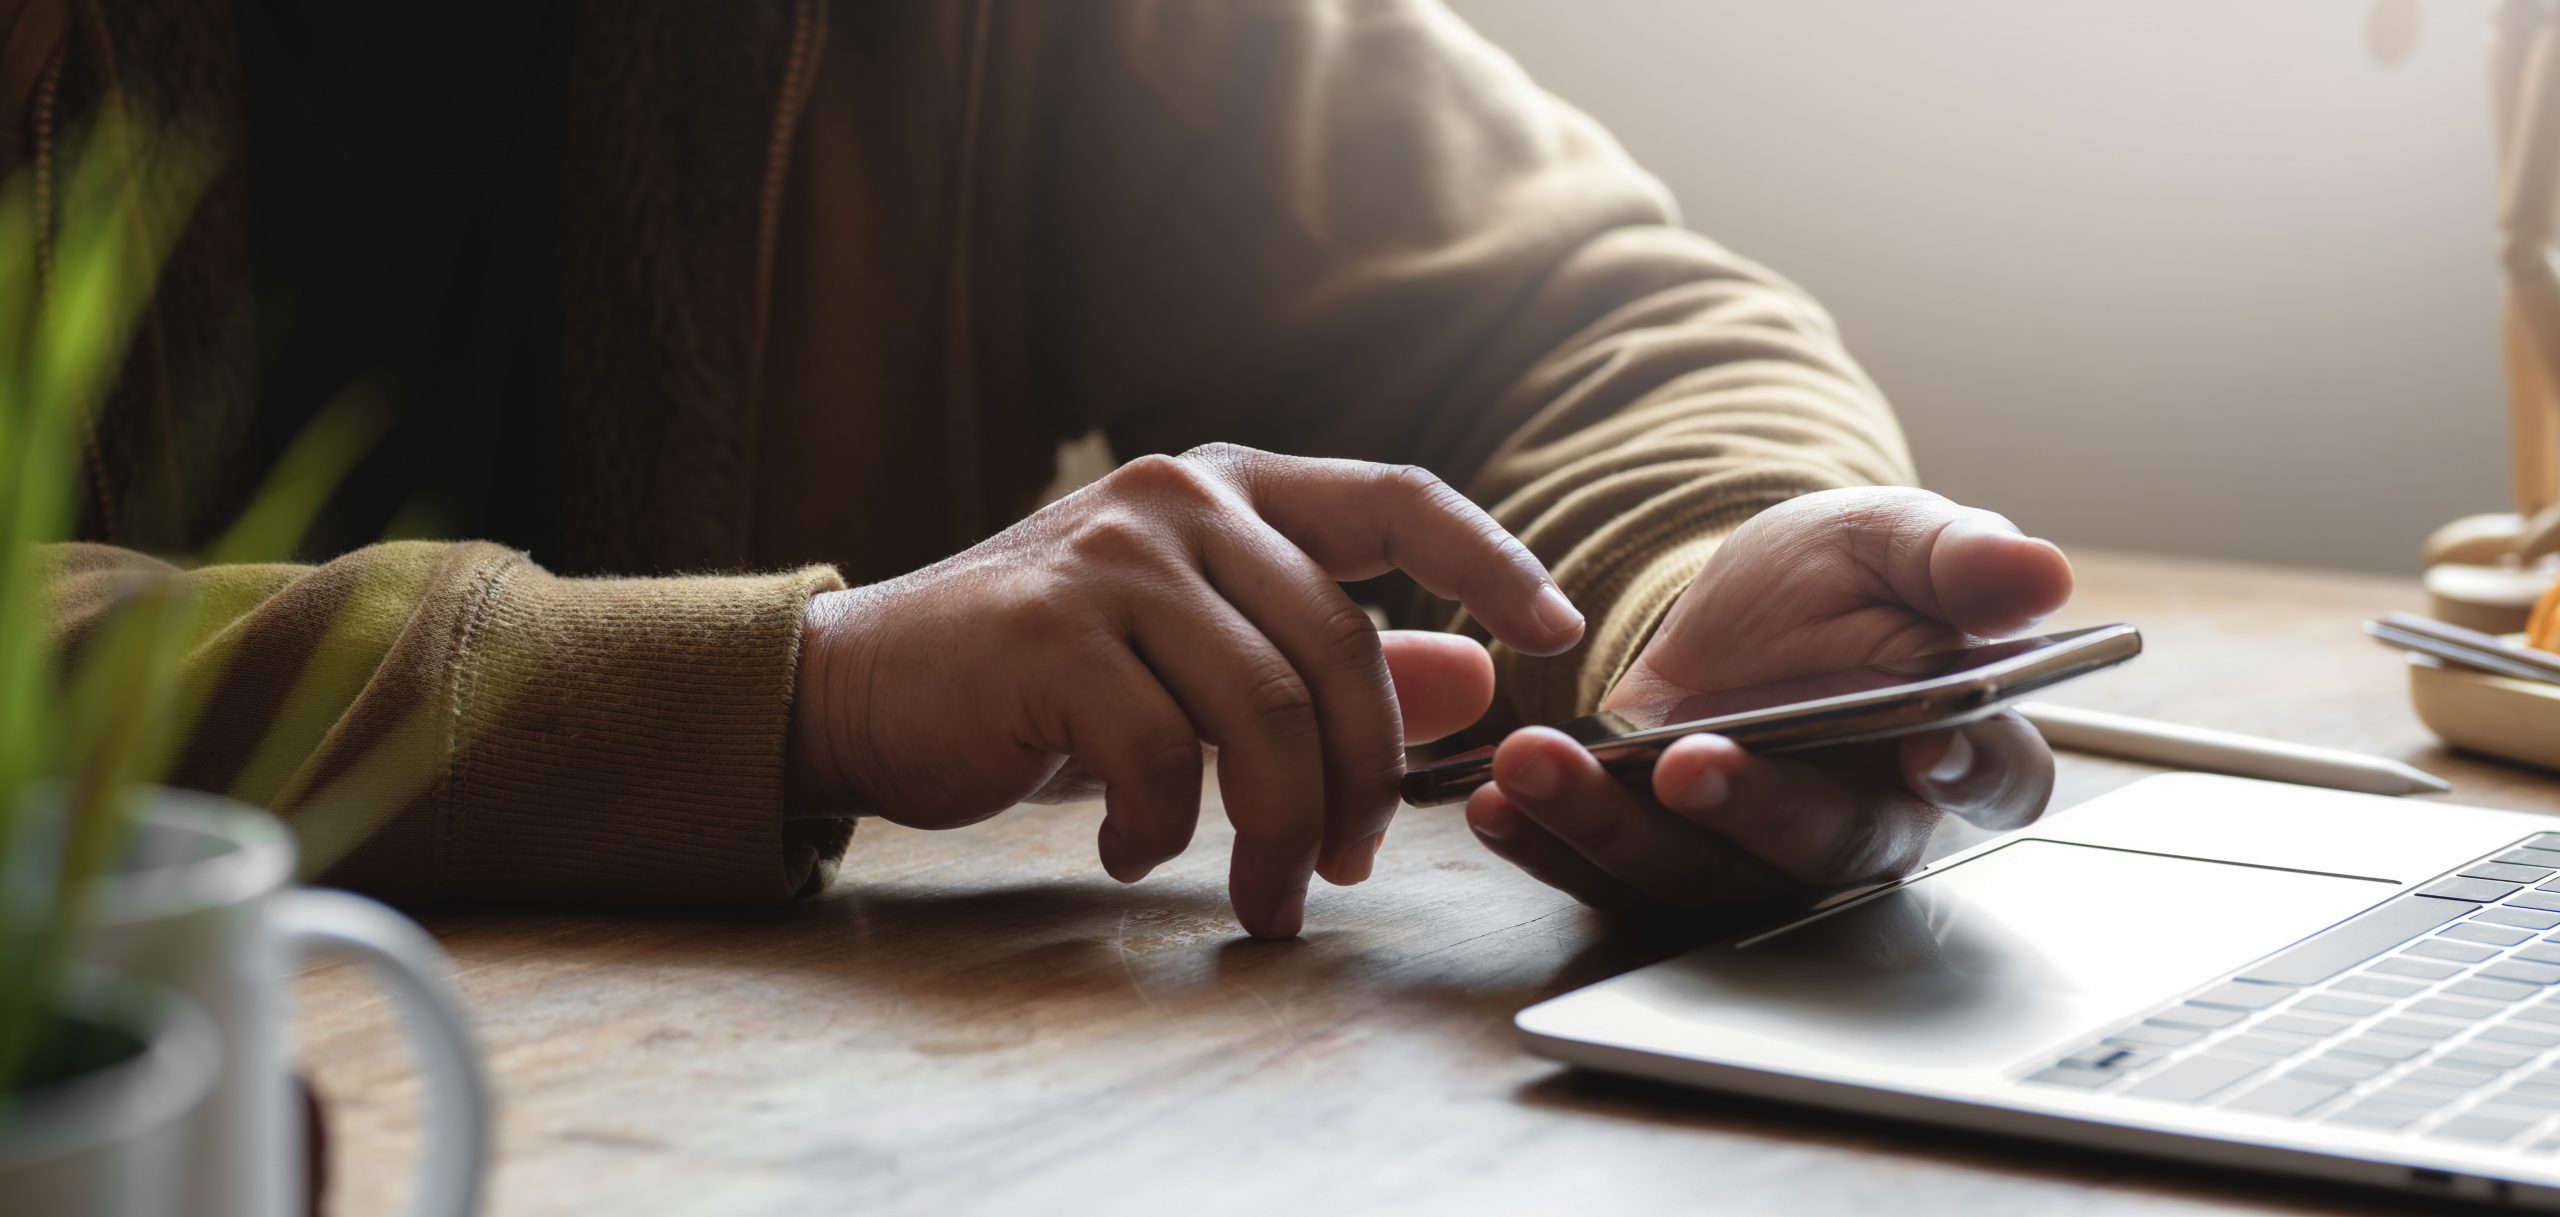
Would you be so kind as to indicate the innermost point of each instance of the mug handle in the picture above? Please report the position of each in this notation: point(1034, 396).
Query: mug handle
point(453, 1167)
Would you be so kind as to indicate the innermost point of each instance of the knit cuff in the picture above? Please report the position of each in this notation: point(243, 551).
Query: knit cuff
point(622, 739)
point(1622, 632)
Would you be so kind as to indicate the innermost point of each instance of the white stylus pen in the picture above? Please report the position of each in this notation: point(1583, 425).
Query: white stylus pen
point(2248, 756)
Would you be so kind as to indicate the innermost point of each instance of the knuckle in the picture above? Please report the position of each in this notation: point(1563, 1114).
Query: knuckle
point(1349, 638)
point(1878, 512)
point(1227, 457)
point(1118, 538)
point(1350, 644)
point(1427, 493)
point(1897, 520)
point(1873, 502)
point(1422, 488)
point(1168, 757)
point(1883, 519)
point(1157, 475)
point(1522, 561)
point(1278, 700)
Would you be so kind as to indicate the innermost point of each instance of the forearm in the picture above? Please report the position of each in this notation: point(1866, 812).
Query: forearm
point(452, 720)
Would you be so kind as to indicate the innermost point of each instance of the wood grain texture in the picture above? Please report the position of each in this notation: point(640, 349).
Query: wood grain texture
point(981, 1021)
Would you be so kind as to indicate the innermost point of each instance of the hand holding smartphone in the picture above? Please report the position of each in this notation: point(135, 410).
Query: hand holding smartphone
point(1923, 693)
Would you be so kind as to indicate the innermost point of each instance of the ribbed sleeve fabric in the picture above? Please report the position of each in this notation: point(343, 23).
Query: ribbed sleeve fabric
point(623, 739)
point(449, 719)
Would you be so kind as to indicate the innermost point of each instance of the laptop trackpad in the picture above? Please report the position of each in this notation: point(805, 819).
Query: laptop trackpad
point(1983, 962)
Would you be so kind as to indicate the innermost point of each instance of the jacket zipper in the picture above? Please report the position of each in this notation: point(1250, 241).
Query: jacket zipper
point(808, 37)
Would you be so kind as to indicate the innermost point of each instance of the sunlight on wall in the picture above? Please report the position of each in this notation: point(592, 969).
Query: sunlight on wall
point(2160, 274)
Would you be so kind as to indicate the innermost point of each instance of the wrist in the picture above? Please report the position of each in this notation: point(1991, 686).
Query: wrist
point(825, 705)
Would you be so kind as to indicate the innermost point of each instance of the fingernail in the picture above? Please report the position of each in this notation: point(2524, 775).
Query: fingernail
point(1497, 829)
point(1555, 612)
point(1534, 779)
point(1957, 762)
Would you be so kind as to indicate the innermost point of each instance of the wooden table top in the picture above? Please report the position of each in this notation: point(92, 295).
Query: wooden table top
point(981, 1021)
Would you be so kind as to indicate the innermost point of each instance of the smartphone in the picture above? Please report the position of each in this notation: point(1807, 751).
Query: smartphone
point(1923, 693)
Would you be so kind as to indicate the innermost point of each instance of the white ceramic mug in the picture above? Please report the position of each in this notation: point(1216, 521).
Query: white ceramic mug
point(113, 1142)
point(205, 906)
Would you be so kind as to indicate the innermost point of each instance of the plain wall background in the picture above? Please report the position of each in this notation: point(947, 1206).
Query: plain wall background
point(2171, 275)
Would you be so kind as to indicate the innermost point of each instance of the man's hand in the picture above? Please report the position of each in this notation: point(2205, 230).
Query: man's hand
point(1175, 603)
point(1834, 580)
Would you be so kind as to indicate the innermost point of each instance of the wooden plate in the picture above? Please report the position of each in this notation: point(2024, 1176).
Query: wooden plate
point(2518, 720)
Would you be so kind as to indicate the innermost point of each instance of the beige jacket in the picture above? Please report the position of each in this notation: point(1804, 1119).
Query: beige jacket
point(839, 280)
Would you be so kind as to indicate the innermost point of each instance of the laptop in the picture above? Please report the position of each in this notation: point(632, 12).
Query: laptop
point(2242, 973)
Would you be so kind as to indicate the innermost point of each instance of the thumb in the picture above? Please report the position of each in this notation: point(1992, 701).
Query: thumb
point(1443, 681)
point(1967, 567)
point(1991, 579)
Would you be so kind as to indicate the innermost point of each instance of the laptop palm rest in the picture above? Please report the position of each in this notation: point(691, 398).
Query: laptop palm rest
point(1979, 965)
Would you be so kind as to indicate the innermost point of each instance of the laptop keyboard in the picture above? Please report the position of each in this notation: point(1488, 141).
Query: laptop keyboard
point(2436, 1014)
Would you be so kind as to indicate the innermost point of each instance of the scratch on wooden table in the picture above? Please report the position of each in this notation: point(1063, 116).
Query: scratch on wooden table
point(1403, 1089)
point(1567, 907)
point(1295, 1040)
point(1120, 944)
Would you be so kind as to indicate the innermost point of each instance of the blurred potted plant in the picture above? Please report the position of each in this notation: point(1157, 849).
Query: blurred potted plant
point(119, 1095)
point(91, 1087)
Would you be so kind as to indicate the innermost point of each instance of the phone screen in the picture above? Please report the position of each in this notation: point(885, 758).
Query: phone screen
point(1922, 693)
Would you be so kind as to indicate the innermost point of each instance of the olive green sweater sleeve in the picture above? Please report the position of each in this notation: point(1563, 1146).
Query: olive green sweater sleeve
point(452, 720)
point(1355, 228)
